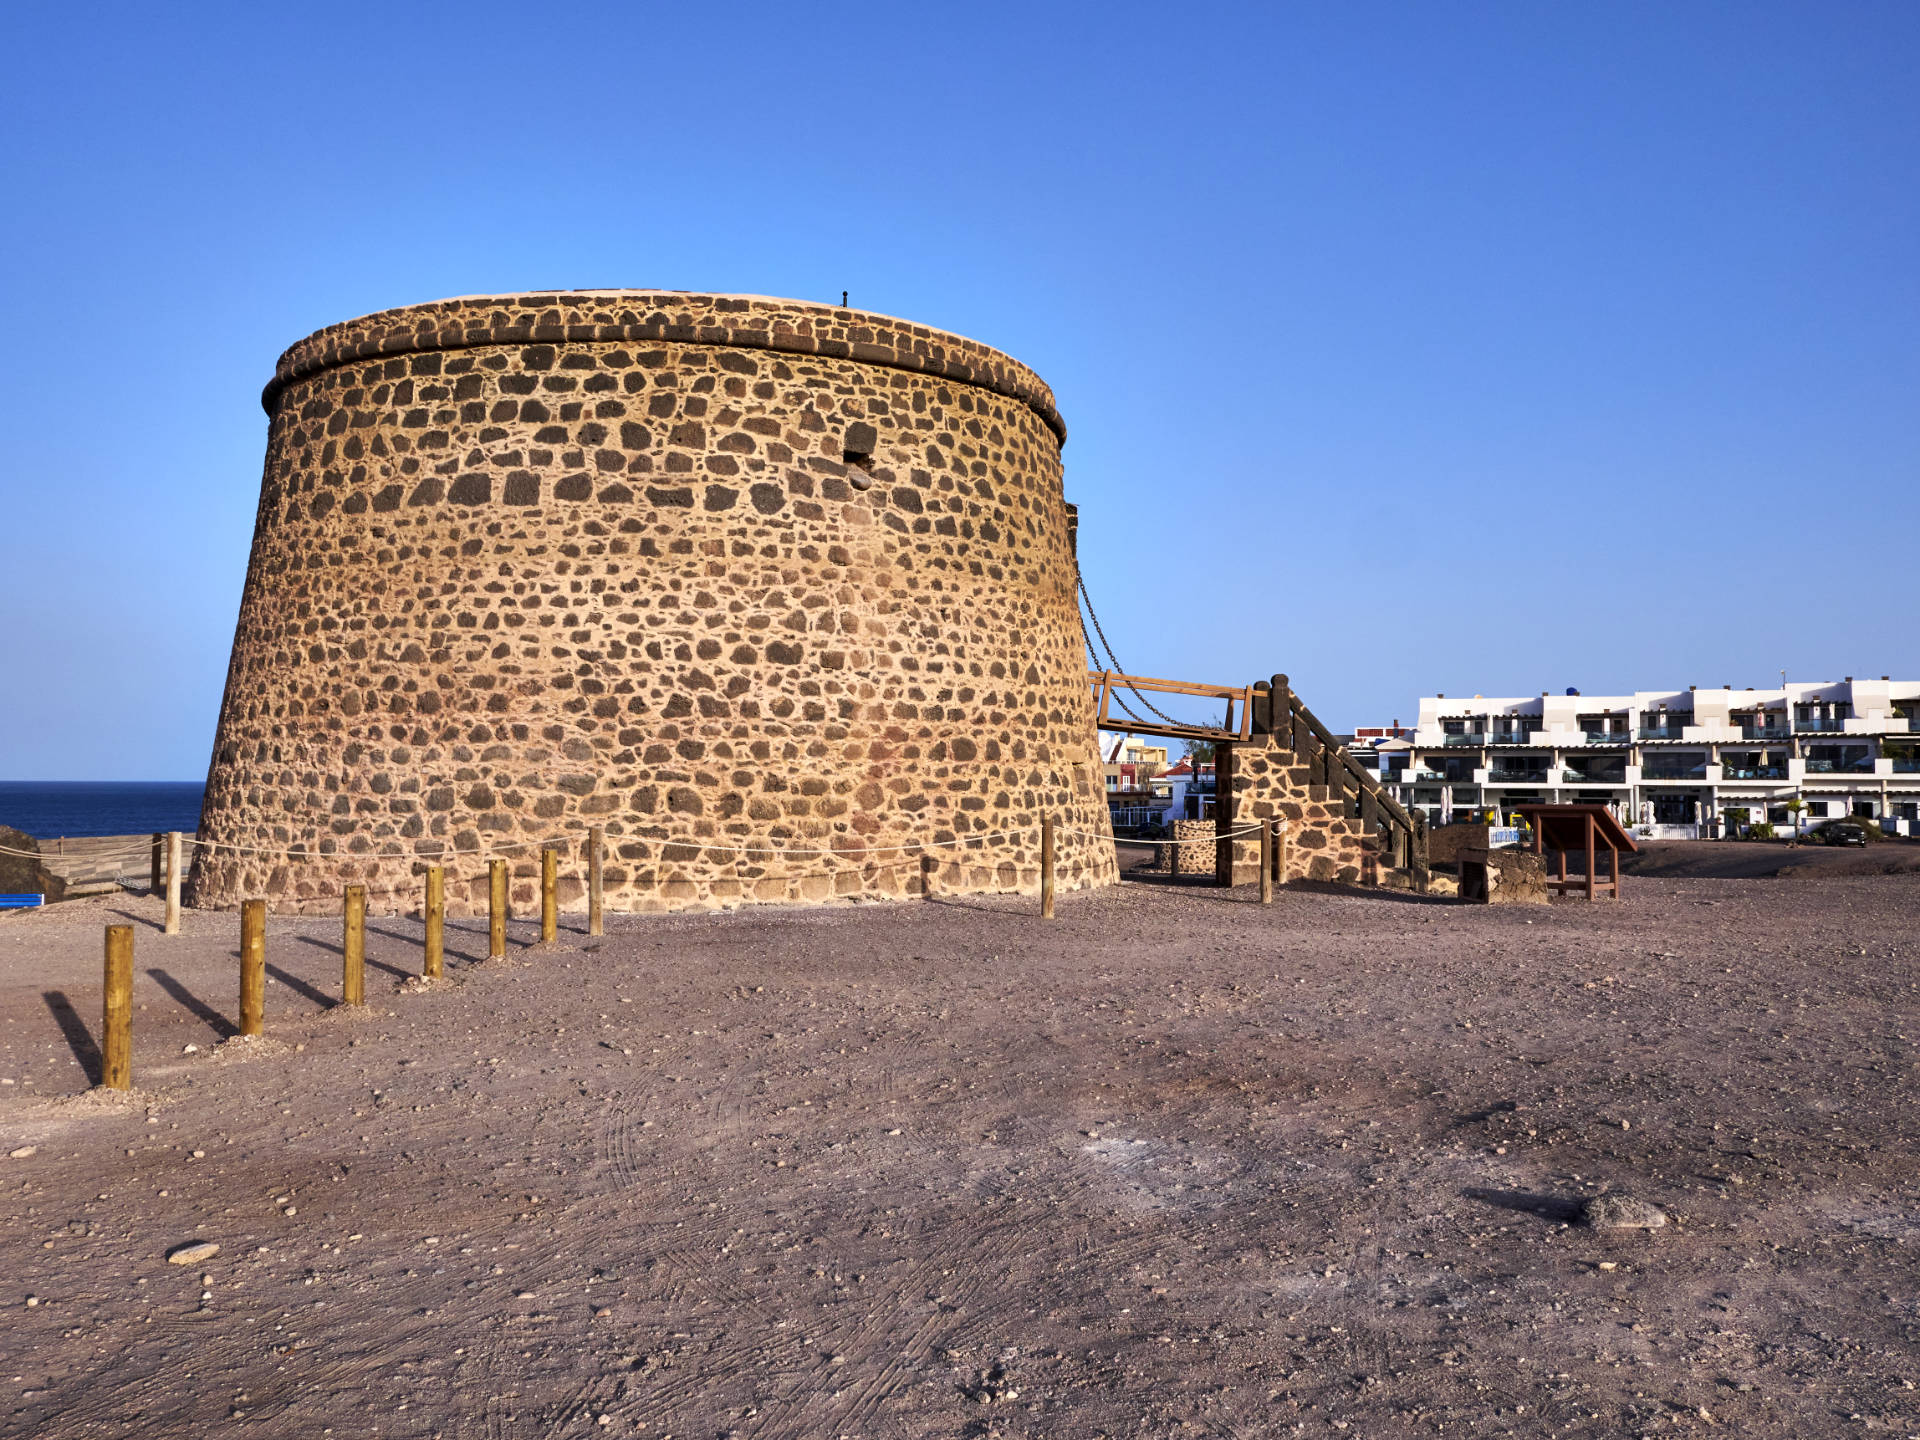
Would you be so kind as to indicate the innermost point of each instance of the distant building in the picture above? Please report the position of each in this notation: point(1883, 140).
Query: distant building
point(1136, 794)
point(1371, 735)
point(1189, 790)
point(1671, 764)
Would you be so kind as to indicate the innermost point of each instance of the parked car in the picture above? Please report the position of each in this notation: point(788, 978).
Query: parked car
point(1841, 832)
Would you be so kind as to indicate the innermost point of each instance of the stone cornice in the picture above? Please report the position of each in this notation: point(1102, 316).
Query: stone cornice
point(637, 317)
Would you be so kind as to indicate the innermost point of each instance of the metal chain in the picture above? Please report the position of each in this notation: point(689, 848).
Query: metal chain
point(1113, 659)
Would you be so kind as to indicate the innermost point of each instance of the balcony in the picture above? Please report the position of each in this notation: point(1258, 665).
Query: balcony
point(1608, 737)
point(1515, 737)
point(1764, 732)
point(1839, 767)
point(1906, 764)
point(1673, 728)
point(1818, 724)
point(1517, 777)
point(1478, 737)
point(1753, 772)
point(1674, 772)
point(1603, 777)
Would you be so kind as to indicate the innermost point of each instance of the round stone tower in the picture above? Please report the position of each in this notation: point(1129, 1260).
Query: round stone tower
point(780, 595)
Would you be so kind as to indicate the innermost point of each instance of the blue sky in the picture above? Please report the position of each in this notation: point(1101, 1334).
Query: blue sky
point(1482, 348)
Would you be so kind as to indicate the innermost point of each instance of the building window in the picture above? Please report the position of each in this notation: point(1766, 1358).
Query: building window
point(1816, 809)
point(1673, 809)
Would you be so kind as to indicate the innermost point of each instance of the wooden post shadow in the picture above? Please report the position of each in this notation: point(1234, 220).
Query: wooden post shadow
point(79, 1039)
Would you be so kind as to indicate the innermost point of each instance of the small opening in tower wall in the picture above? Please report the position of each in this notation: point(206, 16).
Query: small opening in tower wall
point(861, 439)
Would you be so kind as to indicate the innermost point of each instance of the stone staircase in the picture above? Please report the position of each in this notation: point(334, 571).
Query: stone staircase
point(1341, 827)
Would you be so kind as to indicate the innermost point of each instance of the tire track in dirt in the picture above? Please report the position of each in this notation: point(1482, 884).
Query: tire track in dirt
point(980, 1263)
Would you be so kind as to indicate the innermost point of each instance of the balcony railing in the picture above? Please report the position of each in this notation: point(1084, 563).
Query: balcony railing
point(1477, 738)
point(1581, 777)
point(1839, 767)
point(1517, 777)
point(1818, 724)
point(1515, 737)
point(1674, 772)
point(1665, 732)
point(1753, 772)
point(1764, 732)
point(1608, 737)
point(1906, 764)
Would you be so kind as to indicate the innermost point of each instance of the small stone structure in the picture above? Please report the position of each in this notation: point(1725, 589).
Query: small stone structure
point(1446, 844)
point(781, 595)
point(1503, 877)
point(1187, 851)
point(22, 872)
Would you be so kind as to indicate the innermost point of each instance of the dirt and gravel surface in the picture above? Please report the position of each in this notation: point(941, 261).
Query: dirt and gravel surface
point(1173, 1164)
point(1770, 859)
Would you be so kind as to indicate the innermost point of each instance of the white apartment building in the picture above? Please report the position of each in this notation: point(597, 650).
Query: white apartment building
point(1673, 764)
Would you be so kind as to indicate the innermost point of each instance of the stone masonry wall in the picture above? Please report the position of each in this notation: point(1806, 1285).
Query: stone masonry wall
point(1267, 782)
point(1190, 851)
point(706, 571)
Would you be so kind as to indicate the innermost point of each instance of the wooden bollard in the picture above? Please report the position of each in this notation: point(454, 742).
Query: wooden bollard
point(1266, 862)
point(116, 1017)
point(1279, 852)
point(596, 918)
point(496, 909)
point(253, 966)
point(353, 948)
point(173, 883)
point(156, 874)
point(434, 962)
point(549, 895)
point(1046, 867)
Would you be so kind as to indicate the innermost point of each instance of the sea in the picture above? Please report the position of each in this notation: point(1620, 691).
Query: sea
point(49, 808)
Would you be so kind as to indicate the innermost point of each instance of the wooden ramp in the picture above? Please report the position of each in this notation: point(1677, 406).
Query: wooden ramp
point(96, 864)
point(1266, 717)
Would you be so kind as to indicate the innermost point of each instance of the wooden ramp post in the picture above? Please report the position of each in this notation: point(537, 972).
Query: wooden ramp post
point(173, 883)
point(1046, 867)
point(596, 916)
point(1222, 813)
point(549, 895)
point(253, 966)
point(433, 963)
point(116, 1018)
point(353, 948)
point(496, 909)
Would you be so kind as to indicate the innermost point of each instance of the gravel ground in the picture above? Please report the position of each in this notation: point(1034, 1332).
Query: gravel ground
point(1769, 859)
point(1174, 1164)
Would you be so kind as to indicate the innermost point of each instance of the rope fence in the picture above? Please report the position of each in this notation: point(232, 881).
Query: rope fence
point(117, 1011)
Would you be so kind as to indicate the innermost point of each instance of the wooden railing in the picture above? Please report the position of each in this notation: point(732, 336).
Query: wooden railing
point(1242, 697)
